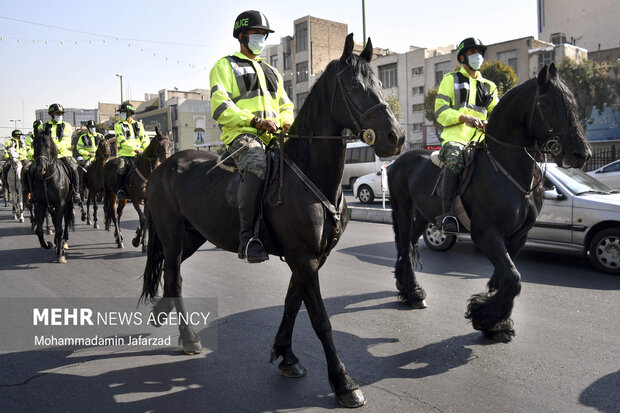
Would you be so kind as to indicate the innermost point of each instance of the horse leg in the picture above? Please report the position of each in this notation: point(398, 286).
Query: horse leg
point(282, 346)
point(58, 241)
point(490, 311)
point(306, 276)
point(39, 214)
point(407, 230)
point(137, 239)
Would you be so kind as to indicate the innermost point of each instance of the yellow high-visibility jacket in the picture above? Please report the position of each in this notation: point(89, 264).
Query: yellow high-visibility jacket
point(459, 94)
point(21, 150)
point(130, 136)
point(61, 134)
point(242, 88)
point(87, 144)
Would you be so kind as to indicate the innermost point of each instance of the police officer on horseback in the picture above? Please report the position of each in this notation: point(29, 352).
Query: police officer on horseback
point(13, 142)
point(60, 132)
point(248, 99)
point(131, 141)
point(87, 144)
point(30, 138)
point(464, 102)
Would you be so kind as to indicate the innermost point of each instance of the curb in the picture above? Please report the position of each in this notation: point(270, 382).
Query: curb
point(382, 216)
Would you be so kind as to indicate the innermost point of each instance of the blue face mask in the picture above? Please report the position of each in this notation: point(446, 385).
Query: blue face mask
point(123, 115)
point(58, 118)
point(256, 43)
point(475, 61)
point(91, 130)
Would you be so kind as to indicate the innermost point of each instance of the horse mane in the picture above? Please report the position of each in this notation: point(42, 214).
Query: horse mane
point(320, 97)
point(52, 145)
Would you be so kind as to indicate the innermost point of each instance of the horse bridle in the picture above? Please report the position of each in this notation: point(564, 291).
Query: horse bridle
point(44, 172)
point(552, 144)
point(152, 161)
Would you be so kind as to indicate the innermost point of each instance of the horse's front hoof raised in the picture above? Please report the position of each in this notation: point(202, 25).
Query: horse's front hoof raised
point(419, 304)
point(353, 399)
point(192, 347)
point(292, 370)
point(135, 242)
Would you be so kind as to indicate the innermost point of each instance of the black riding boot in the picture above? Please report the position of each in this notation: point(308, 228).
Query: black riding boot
point(249, 195)
point(120, 184)
point(75, 182)
point(449, 184)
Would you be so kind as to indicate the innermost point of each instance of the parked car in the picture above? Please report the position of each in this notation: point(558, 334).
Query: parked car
point(368, 187)
point(608, 174)
point(579, 214)
point(360, 159)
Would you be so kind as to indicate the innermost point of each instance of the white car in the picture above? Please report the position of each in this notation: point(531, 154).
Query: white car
point(368, 187)
point(579, 214)
point(608, 174)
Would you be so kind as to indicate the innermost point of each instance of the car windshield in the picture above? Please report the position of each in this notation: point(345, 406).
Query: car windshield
point(578, 182)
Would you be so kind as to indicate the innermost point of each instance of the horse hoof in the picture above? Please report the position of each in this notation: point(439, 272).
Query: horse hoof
point(83, 217)
point(120, 245)
point(21, 220)
point(62, 260)
point(144, 248)
point(96, 226)
point(65, 245)
point(292, 370)
point(192, 348)
point(501, 337)
point(418, 305)
point(88, 222)
point(50, 232)
point(353, 399)
point(48, 245)
point(135, 242)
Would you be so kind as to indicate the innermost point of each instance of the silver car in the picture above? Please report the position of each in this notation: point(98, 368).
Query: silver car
point(608, 174)
point(579, 214)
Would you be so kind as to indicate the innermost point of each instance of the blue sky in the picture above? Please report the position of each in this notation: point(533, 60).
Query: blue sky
point(164, 44)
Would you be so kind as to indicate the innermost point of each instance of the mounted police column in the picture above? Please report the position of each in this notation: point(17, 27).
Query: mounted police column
point(249, 104)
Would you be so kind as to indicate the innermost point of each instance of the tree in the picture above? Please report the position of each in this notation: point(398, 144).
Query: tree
point(429, 109)
point(594, 85)
point(394, 104)
point(501, 74)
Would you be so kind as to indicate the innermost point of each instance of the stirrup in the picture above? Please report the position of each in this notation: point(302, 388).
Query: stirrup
point(247, 246)
point(446, 220)
point(120, 194)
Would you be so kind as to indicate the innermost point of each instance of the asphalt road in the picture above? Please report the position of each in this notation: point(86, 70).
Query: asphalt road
point(564, 357)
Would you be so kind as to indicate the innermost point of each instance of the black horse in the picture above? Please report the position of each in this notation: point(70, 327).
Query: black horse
point(503, 198)
point(51, 192)
point(93, 182)
point(138, 175)
point(187, 205)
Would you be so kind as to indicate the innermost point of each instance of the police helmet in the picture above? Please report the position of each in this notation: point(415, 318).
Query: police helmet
point(127, 107)
point(16, 133)
point(37, 123)
point(90, 124)
point(250, 19)
point(55, 107)
point(470, 43)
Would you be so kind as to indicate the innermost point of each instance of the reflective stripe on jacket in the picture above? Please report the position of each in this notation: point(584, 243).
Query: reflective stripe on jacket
point(21, 150)
point(242, 88)
point(87, 144)
point(29, 147)
point(130, 136)
point(459, 94)
point(61, 134)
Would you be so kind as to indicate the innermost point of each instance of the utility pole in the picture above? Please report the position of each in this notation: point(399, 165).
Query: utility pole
point(121, 77)
point(364, 21)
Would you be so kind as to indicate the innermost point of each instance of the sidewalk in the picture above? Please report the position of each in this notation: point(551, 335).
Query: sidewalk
point(379, 215)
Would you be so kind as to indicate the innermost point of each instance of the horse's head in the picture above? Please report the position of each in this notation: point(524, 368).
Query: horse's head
point(358, 103)
point(159, 148)
point(103, 149)
point(554, 123)
point(45, 151)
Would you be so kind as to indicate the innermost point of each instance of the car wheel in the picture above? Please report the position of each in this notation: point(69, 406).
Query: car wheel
point(604, 251)
point(435, 239)
point(365, 194)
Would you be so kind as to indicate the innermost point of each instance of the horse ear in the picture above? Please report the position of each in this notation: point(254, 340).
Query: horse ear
point(553, 71)
point(348, 48)
point(157, 132)
point(543, 77)
point(367, 52)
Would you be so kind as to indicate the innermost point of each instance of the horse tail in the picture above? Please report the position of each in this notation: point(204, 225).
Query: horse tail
point(154, 262)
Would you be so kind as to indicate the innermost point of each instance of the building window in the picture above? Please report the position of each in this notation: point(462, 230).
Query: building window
point(302, 72)
point(288, 88)
point(545, 58)
point(440, 70)
point(417, 71)
point(417, 127)
point(418, 90)
point(418, 107)
point(301, 37)
point(387, 76)
point(300, 99)
point(274, 61)
point(509, 58)
point(286, 61)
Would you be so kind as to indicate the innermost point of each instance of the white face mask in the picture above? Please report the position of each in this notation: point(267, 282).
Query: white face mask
point(475, 61)
point(58, 118)
point(91, 130)
point(123, 115)
point(256, 43)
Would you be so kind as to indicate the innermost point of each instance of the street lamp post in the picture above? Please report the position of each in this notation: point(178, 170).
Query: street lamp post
point(121, 77)
point(15, 120)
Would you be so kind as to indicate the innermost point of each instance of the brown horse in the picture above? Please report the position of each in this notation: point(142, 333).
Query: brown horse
point(135, 187)
point(93, 182)
point(189, 203)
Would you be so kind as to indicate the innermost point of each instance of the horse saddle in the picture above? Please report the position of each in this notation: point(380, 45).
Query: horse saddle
point(271, 173)
point(468, 154)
